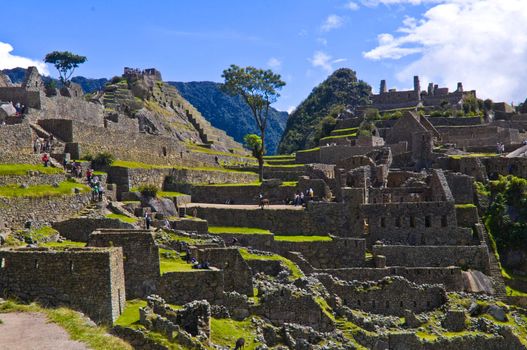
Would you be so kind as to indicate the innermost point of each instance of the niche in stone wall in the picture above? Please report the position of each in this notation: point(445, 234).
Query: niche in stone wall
point(444, 221)
point(2, 263)
point(428, 221)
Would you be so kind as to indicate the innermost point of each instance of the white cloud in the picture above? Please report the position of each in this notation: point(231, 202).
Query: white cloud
point(290, 109)
point(482, 43)
point(352, 6)
point(322, 41)
point(8, 60)
point(322, 60)
point(373, 3)
point(332, 22)
point(274, 63)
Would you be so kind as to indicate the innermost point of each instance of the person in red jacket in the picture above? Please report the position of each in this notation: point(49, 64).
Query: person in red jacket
point(45, 159)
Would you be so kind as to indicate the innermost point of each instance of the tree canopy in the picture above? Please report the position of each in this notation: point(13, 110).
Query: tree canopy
point(259, 89)
point(65, 62)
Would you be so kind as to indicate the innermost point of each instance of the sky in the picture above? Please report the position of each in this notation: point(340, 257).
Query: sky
point(482, 43)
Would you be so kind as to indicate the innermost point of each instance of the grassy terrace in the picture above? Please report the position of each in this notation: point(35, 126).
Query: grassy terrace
point(63, 245)
point(295, 271)
point(303, 238)
point(465, 206)
point(309, 150)
point(74, 323)
point(122, 218)
point(63, 189)
point(344, 131)
point(338, 136)
point(171, 261)
point(472, 155)
point(238, 230)
point(254, 183)
point(22, 169)
point(167, 194)
point(139, 165)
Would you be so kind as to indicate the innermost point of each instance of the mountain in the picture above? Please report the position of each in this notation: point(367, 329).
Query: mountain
point(230, 113)
point(88, 85)
point(342, 88)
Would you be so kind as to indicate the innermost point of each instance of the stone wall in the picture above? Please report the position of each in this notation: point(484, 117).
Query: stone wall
point(454, 121)
point(237, 275)
point(462, 187)
point(182, 287)
point(16, 144)
point(41, 210)
point(91, 280)
point(79, 229)
point(389, 296)
point(467, 216)
point(474, 257)
point(141, 258)
point(477, 137)
point(31, 180)
point(20, 95)
point(450, 277)
point(70, 108)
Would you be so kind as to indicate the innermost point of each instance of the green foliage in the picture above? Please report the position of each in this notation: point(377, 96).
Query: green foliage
point(103, 160)
point(488, 104)
point(122, 218)
point(340, 88)
point(506, 217)
point(470, 104)
point(148, 190)
point(372, 114)
point(65, 62)
point(436, 114)
point(328, 123)
point(254, 143)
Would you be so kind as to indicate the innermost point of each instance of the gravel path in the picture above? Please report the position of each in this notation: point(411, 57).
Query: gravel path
point(31, 330)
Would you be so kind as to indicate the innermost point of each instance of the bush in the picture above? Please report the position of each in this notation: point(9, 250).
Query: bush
point(87, 157)
point(102, 160)
point(148, 190)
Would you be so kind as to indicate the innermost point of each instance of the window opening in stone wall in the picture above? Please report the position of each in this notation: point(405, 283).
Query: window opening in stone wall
point(387, 304)
point(428, 304)
point(401, 304)
point(415, 303)
point(444, 221)
point(2, 263)
point(428, 221)
point(412, 221)
point(358, 302)
point(383, 222)
point(373, 304)
point(164, 151)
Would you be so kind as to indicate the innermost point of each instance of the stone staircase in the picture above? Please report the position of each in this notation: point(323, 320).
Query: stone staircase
point(495, 272)
point(58, 147)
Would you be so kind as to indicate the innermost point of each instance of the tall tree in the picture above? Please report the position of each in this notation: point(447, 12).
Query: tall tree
point(65, 62)
point(259, 89)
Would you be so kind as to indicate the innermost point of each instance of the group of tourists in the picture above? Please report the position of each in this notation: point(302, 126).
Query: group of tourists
point(195, 263)
point(74, 167)
point(43, 145)
point(500, 148)
point(301, 198)
point(20, 109)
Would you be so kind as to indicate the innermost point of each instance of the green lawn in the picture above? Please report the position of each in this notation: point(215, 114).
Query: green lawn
point(470, 155)
point(64, 188)
point(122, 218)
point(22, 169)
point(95, 337)
point(465, 206)
point(344, 131)
point(130, 314)
point(226, 331)
point(238, 230)
point(302, 238)
point(171, 261)
point(170, 194)
point(295, 270)
point(63, 244)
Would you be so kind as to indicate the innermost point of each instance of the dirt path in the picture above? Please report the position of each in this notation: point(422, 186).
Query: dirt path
point(31, 330)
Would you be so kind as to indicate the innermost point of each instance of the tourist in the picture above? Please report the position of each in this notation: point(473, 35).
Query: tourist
point(296, 200)
point(45, 159)
point(311, 194)
point(302, 198)
point(101, 192)
point(148, 220)
point(89, 174)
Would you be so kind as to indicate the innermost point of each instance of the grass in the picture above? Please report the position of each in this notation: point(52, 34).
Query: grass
point(514, 292)
point(280, 156)
point(295, 270)
point(226, 331)
point(345, 131)
point(254, 183)
point(122, 218)
point(63, 244)
point(40, 234)
point(471, 155)
point(171, 261)
point(140, 165)
point(64, 188)
point(465, 206)
point(338, 136)
point(170, 194)
point(22, 169)
point(130, 313)
point(296, 165)
point(309, 150)
point(96, 337)
point(302, 238)
point(289, 183)
point(238, 230)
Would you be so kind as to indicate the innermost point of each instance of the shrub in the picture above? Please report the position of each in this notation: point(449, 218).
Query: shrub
point(87, 157)
point(102, 160)
point(148, 190)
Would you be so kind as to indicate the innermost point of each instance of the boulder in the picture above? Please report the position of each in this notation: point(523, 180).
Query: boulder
point(454, 321)
point(160, 205)
point(498, 313)
point(7, 110)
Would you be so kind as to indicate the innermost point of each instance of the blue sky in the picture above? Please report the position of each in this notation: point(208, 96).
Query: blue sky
point(303, 40)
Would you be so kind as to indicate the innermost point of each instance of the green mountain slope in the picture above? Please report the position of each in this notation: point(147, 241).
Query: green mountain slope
point(340, 88)
point(230, 113)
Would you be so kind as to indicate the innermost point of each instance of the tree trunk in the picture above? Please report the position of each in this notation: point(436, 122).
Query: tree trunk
point(260, 156)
